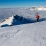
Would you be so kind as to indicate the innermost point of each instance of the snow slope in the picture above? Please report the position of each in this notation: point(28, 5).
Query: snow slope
point(24, 35)
point(30, 34)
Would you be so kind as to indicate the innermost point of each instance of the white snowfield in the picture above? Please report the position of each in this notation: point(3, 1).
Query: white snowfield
point(30, 34)
point(24, 35)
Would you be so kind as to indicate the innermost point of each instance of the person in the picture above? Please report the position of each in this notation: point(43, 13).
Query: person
point(37, 17)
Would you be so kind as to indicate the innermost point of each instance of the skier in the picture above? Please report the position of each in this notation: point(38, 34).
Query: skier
point(37, 17)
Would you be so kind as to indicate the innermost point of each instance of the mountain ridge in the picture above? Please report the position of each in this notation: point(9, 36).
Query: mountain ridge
point(36, 8)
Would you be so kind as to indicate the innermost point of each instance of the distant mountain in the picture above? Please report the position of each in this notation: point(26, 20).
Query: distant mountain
point(35, 8)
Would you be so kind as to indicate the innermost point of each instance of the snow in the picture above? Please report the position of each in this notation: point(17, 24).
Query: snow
point(24, 34)
point(7, 21)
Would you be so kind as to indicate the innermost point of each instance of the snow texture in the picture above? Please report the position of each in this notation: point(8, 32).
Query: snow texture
point(30, 34)
point(24, 35)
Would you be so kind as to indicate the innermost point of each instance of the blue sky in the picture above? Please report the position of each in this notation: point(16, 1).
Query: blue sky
point(21, 3)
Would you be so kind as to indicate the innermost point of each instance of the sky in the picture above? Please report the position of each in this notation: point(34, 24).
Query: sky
point(21, 3)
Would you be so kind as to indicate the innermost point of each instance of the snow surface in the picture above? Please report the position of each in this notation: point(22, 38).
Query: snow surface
point(7, 21)
point(30, 34)
point(24, 35)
